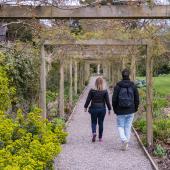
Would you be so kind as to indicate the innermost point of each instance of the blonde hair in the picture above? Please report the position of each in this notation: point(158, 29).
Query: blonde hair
point(99, 83)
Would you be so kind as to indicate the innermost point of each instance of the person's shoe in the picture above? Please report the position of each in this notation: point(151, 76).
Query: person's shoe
point(94, 137)
point(100, 140)
point(125, 146)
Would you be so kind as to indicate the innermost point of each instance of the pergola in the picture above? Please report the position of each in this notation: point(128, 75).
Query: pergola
point(101, 43)
point(103, 12)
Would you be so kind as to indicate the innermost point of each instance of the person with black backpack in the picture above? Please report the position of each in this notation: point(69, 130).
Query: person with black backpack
point(125, 102)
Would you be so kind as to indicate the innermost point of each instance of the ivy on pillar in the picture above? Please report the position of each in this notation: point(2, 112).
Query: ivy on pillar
point(61, 92)
point(43, 82)
point(149, 96)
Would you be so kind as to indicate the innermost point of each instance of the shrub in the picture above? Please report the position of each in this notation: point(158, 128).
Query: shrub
point(159, 151)
point(140, 125)
point(159, 103)
point(28, 142)
point(6, 92)
point(161, 129)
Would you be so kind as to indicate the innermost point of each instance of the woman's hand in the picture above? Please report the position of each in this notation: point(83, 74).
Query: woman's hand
point(85, 109)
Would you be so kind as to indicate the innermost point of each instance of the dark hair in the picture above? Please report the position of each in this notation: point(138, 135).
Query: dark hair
point(125, 74)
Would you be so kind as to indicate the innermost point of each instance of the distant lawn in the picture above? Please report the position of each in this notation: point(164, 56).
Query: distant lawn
point(161, 84)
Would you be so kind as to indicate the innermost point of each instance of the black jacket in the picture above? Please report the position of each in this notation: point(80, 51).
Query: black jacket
point(119, 110)
point(98, 99)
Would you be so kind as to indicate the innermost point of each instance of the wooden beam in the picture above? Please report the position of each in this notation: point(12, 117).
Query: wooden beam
point(43, 83)
point(109, 12)
point(101, 42)
point(149, 96)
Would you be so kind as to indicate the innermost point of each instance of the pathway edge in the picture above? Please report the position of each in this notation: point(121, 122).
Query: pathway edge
point(145, 150)
point(70, 118)
point(72, 113)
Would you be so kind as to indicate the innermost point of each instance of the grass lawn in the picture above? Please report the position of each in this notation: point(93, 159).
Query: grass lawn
point(161, 84)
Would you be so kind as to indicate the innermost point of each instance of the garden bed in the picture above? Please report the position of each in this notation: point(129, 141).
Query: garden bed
point(160, 152)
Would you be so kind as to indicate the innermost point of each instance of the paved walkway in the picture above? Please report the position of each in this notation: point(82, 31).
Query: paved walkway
point(81, 154)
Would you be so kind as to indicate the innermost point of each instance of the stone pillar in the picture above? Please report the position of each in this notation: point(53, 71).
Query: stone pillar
point(43, 83)
point(61, 92)
point(75, 77)
point(109, 72)
point(87, 71)
point(123, 63)
point(98, 69)
point(71, 83)
point(105, 70)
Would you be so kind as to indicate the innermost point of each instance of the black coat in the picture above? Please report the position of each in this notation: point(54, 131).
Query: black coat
point(123, 111)
point(98, 99)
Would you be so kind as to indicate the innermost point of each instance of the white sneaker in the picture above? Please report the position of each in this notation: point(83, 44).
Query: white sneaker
point(125, 146)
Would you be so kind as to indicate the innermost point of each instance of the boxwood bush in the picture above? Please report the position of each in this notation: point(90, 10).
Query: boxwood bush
point(29, 142)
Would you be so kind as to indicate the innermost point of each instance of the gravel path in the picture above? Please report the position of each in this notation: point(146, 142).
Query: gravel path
point(81, 154)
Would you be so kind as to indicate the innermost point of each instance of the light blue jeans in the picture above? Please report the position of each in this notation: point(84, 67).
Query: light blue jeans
point(124, 124)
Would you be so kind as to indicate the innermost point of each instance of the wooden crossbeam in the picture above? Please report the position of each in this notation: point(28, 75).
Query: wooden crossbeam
point(93, 42)
point(112, 12)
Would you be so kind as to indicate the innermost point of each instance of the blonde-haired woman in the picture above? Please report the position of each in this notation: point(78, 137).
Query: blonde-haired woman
point(99, 98)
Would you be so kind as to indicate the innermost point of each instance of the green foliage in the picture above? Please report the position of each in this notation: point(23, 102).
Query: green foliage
point(159, 103)
point(20, 31)
point(159, 151)
point(140, 125)
point(23, 69)
point(161, 128)
point(161, 84)
point(28, 142)
point(53, 77)
point(6, 92)
point(51, 96)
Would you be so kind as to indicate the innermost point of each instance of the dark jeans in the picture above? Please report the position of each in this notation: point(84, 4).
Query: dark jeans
point(97, 116)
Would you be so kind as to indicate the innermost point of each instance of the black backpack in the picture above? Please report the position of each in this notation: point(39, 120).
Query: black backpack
point(126, 97)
